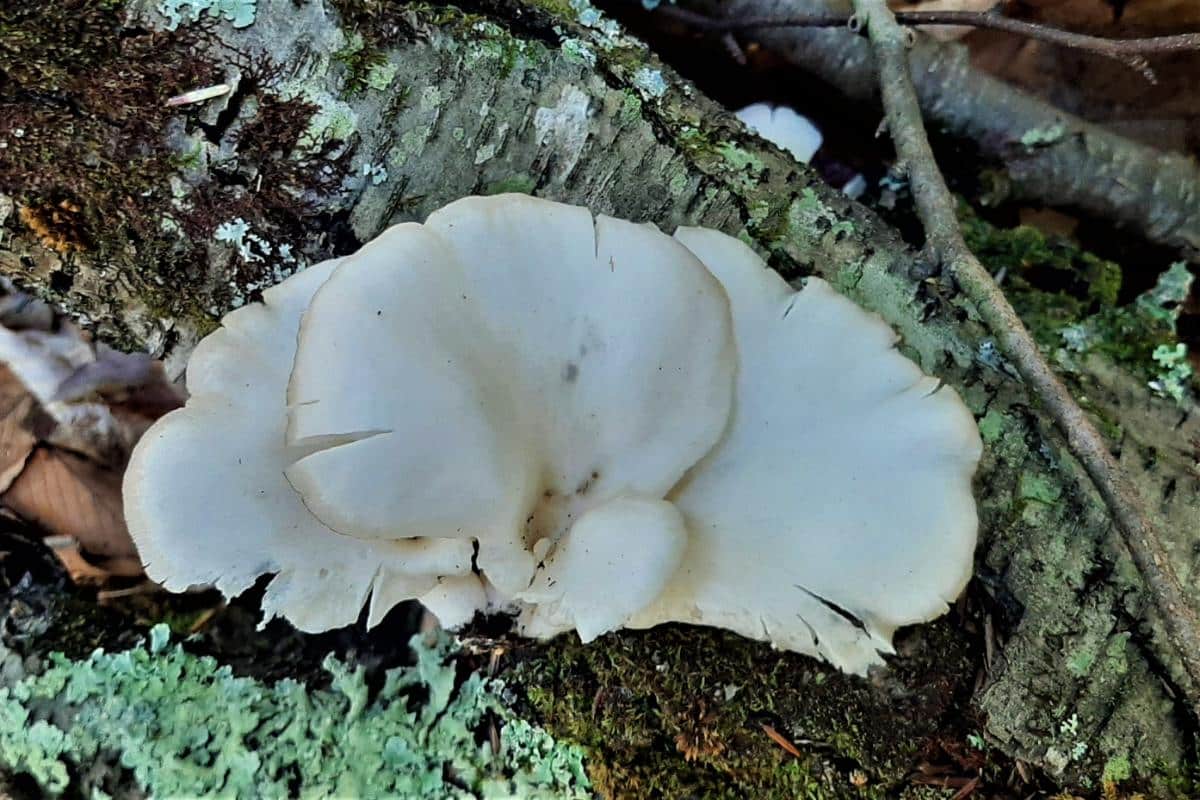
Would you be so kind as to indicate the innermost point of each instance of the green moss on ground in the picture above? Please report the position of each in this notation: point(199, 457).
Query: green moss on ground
point(185, 726)
point(685, 712)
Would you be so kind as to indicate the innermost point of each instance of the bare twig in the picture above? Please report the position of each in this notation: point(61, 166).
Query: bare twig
point(945, 243)
point(1131, 52)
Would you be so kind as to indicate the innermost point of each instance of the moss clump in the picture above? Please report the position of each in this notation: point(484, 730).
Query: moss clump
point(366, 66)
point(82, 121)
point(685, 712)
point(1068, 298)
point(1049, 275)
point(114, 181)
point(184, 726)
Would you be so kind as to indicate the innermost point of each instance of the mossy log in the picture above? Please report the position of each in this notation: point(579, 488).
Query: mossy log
point(345, 116)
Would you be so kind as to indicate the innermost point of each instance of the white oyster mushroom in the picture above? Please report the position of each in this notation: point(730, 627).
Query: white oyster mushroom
point(513, 363)
point(612, 563)
point(207, 502)
point(838, 505)
point(517, 406)
point(783, 127)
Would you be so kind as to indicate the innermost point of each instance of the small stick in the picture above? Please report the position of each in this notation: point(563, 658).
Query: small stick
point(1131, 52)
point(945, 244)
point(779, 739)
point(200, 95)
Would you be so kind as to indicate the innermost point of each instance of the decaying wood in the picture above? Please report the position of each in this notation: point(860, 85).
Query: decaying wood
point(568, 107)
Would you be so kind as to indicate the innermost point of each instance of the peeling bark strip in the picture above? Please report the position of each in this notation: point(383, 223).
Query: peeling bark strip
point(588, 116)
point(1073, 162)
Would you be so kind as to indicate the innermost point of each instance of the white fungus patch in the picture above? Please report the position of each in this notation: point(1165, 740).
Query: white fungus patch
point(521, 406)
point(784, 127)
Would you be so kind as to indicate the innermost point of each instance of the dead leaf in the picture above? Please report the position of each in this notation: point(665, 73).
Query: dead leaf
point(1049, 221)
point(83, 572)
point(67, 495)
point(779, 739)
point(16, 438)
point(944, 32)
point(71, 411)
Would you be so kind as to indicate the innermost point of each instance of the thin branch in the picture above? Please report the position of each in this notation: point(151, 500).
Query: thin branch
point(1131, 52)
point(944, 241)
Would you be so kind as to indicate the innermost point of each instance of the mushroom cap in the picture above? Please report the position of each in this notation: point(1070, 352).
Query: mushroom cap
point(206, 500)
point(838, 505)
point(783, 127)
point(612, 563)
point(519, 405)
point(514, 362)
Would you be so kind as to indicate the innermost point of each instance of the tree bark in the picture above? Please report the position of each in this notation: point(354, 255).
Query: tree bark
point(553, 99)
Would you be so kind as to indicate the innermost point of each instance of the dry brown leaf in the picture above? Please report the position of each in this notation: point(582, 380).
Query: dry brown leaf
point(1144, 16)
point(944, 32)
point(1049, 221)
point(67, 495)
point(84, 572)
point(16, 438)
point(71, 411)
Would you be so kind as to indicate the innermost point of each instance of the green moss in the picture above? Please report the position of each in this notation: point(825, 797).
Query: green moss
point(520, 184)
point(184, 726)
point(680, 712)
point(1038, 488)
point(367, 67)
point(1068, 298)
point(1075, 281)
point(991, 427)
point(108, 200)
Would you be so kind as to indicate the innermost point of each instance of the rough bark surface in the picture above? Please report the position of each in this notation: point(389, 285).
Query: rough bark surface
point(556, 100)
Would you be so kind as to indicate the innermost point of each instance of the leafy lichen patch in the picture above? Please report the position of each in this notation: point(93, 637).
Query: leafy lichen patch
point(185, 726)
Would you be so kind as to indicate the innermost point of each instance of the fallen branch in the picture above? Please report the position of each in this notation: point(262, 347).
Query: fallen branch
point(935, 205)
point(1131, 52)
point(1073, 163)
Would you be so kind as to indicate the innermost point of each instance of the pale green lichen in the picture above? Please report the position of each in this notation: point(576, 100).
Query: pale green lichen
point(608, 31)
point(334, 120)
point(1176, 372)
point(1041, 137)
point(184, 12)
point(650, 82)
point(631, 108)
point(185, 726)
point(1164, 302)
point(375, 173)
point(577, 51)
point(1147, 327)
point(380, 76)
point(236, 233)
point(991, 427)
point(1117, 769)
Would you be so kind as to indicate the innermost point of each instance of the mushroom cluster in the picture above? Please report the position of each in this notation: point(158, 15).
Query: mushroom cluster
point(578, 419)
